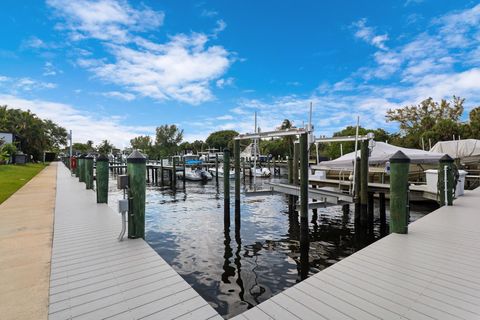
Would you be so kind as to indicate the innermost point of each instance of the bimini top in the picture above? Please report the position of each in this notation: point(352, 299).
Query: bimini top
point(467, 150)
point(381, 153)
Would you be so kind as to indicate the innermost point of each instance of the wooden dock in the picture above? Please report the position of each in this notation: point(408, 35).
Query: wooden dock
point(94, 276)
point(431, 273)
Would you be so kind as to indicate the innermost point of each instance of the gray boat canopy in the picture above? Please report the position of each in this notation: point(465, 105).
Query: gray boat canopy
point(467, 150)
point(380, 154)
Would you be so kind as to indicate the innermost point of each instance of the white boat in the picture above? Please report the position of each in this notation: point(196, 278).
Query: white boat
point(210, 155)
point(261, 172)
point(220, 173)
point(195, 174)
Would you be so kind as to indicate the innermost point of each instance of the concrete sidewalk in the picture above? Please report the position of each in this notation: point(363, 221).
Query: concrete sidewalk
point(26, 230)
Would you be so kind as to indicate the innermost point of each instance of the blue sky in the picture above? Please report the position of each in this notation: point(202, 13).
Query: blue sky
point(114, 69)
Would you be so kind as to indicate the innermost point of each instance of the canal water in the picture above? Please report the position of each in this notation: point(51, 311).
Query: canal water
point(237, 268)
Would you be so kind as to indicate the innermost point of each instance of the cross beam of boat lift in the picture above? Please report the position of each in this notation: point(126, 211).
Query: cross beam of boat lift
point(271, 134)
point(368, 136)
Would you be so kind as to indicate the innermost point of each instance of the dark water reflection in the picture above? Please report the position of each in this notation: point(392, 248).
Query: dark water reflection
point(237, 268)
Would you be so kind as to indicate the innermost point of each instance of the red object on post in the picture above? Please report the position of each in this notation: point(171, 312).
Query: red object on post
point(73, 163)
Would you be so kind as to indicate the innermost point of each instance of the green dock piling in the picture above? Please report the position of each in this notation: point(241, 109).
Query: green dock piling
point(236, 152)
point(304, 242)
point(399, 206)
point(290, 181)
point(295, 163)
point(174, 173)
point(445, 161)
point(364, 183)
point(76, 172)
point(226, 186)
point(216, 167)
point(81, 168)
point(102, 179)
point(136, 169)
point(356, 190)
point(88, 165)
point(162, 181)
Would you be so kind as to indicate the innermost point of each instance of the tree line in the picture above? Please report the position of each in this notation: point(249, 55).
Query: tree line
point(33, 135)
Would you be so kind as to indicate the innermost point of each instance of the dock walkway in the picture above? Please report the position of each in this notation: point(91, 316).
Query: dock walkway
point(431, 273)
point(94, 276)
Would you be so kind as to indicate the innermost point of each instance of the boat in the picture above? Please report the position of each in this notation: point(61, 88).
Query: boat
point(195, 174)
point(261, 172)
point(221, 174)
point(210, 155)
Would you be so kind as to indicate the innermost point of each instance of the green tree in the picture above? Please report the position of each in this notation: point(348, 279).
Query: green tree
point(142, 143)
point(288, 140)
point(105, 147)
point(429, 120)
point(167, 139)
point(34, 135)
point(221, 139)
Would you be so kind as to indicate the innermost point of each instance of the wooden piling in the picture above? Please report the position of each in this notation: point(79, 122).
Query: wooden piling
point(226, 187)
point(81, 167)
point(304, 242)
point(88, 171)
point(357, 190)
point(161, 172)
point(399, 206)
point(174, 173)
point(445, 161)
point(102, 179)
point(364, 183)
point(370, 206)
point(184, 171)
point(216, 167)
point(290, 181)
point(295, 163)
point(136, 169)
point(236, 152)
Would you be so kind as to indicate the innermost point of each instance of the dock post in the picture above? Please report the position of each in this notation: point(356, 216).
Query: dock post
point(174, 174)
point(184, 170)
point(364, 183)
point(147, 172)
point(81, 167)
point(274, 170)
point(295, 163)
point(77, 169)
point(303, 150)
point(162, 181)
point(216, 167)
point(102, 179)
point(399, 206)
point(236, 152)
point(136, 170)
point(371, 207)
point(357, 190)
point(290, 181)
point(445, 179)
point(383, 213)
point(226, 187)
point(88, 171)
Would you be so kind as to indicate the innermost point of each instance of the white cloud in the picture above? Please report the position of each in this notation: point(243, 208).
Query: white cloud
point(50, 70)
point(35, 43)
point(182, 68)
point(209, 13)
point(85, 125)
point(222, 83)
point(108, 20)
point(225, 117)
point(367, 34)
point(24, 84)
point(119, 95)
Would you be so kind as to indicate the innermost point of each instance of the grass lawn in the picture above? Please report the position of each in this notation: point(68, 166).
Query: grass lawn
point(13, 177)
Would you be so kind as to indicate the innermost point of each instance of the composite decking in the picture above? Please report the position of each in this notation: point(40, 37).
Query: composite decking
point(94, 276)
point(431, 273)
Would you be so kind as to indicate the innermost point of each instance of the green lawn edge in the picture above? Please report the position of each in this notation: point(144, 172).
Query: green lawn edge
point(13, 177)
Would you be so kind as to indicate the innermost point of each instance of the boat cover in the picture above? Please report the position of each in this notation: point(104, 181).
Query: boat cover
point(467, 150)
point(381, 153)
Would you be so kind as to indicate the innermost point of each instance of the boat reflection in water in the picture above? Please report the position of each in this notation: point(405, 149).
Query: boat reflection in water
point(237, 266)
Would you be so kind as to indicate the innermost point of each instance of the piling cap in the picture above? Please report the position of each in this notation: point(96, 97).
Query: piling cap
point(102, 158)
point(82, 156)
point(136, 157)
point(89, 156)
point(399, 157)
point(446, 158)
point(226, 150)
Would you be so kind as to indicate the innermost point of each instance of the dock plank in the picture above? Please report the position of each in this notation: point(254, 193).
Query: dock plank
point(94, 276)
point(431, 273)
